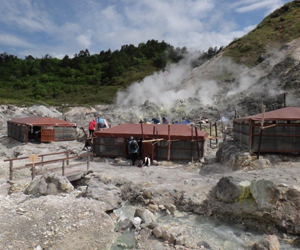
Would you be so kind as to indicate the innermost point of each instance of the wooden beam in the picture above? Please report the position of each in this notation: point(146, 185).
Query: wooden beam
point(261, 129)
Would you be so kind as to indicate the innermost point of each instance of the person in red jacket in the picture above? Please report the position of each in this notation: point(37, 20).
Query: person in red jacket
point(92, 126)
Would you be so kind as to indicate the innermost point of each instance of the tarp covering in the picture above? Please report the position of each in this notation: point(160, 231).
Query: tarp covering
point(177, 131)
point(183, 122)
point(42, 121)
point(284, 114)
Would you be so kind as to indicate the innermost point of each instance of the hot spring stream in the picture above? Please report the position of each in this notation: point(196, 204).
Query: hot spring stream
point(206, 231)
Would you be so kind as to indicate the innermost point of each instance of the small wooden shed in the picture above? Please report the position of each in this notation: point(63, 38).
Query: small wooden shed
point(159, 141)
point(281, 133)
point(42, 129)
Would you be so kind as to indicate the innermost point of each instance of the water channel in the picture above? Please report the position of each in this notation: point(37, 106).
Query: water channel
point(206, 231)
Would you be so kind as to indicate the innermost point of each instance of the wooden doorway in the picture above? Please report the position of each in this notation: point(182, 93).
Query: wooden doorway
point(47, 134)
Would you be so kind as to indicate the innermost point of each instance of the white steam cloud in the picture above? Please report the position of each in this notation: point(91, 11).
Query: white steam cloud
point(177, 82)
point(218, 82)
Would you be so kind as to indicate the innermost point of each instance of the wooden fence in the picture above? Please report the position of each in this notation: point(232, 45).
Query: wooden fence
point(65, 161)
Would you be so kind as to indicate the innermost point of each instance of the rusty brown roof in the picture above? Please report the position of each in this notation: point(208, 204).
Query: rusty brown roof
point(177, 131)
point(284, 114)
point(42, 121)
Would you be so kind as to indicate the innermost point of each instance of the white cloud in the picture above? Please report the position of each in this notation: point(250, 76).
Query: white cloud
point(84, 40)
point(252, 5)
point(69, 26)
point(11, 40)
point(26, 14)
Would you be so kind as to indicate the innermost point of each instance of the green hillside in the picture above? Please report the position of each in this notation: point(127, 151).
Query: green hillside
point(277, 29)
point(83, 79)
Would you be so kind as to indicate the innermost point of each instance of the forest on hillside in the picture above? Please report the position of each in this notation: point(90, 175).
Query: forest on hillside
point(85, 78)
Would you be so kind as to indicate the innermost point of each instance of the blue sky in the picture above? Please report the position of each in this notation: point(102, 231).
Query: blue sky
point(64, 27)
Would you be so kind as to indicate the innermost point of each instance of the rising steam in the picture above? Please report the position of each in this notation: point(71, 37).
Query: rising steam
point(217, 81)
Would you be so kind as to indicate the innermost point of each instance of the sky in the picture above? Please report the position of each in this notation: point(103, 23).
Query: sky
point(64, 27)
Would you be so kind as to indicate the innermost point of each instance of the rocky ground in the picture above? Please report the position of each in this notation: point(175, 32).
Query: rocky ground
point(92, 215)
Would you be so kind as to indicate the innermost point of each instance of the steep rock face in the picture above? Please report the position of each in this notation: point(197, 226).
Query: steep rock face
point(237, 87)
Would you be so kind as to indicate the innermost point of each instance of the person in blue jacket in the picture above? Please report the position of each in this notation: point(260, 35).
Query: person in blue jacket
point(133, 149)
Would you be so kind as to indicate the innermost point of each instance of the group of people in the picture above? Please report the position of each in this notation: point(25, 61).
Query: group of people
point(165, 120)
point(97, 124)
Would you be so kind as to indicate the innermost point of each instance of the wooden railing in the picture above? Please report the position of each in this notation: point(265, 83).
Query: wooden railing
point(65, 163)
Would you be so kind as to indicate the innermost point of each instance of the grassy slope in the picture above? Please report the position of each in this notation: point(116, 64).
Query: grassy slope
point(85, 94)
point(277, 29)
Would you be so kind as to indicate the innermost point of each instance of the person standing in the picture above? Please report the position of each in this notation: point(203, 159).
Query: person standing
point(92, 126)
point(101, 123)
point(165, 120)
point(133, 149)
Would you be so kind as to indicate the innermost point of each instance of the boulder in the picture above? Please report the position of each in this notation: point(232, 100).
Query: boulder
point(171, 208)
point(109, 194)
point(265, 193)
point(230, 189)
point(173, 234)
point(146, 215)
point(49, 184)
point(269, 242)
point(235, 157)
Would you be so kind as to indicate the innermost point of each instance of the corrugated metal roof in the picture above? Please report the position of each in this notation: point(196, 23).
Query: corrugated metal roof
point(42, 121)
point(177, 131)
point(284, 114)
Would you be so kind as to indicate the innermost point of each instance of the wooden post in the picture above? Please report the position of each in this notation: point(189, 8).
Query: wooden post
point(10, 170)
point(284, 99)
point(68, 155)
point(197, 138)
point(156, 146)
point(153, 132)
point(200, 125)
point(33, 159)
point(235, 114)
point(216, 132)
point(260, 130)
point(63, 168)
point(33, 171)
point(210, 134)
point(251, 128)
point(273, 106)
point(169, 143)
point(142, 130)
point(88, 162)
point(26, 131)
point(192, 132)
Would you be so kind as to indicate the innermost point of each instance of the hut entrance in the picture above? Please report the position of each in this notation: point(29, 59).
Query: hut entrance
point(34, 133)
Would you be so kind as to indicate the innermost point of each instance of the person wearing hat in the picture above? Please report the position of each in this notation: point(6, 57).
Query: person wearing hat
point(133, 149)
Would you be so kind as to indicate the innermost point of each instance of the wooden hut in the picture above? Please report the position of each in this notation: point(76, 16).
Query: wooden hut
point(281, 131)
point(43, 129)
point(159, 141)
